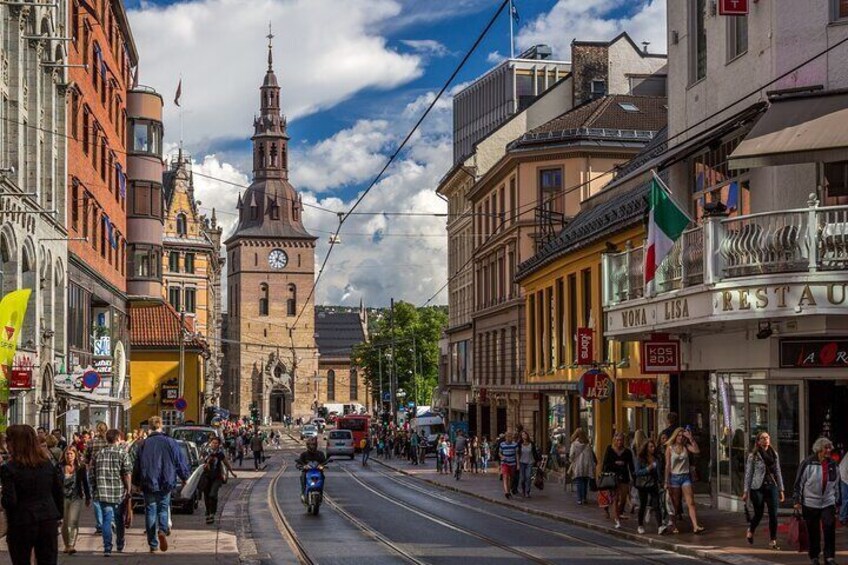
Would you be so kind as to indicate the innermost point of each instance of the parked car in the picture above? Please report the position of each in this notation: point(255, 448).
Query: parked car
point(187, 505)
point(199, 435)
point(340, 442)
point(319, 423)
point(308, 431)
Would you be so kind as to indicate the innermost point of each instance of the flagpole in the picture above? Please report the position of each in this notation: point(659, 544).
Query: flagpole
point(667, 190)
point(511, 32)
point(181, 115)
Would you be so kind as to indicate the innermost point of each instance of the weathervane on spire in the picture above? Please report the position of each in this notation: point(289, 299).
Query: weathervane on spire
point(270, 36)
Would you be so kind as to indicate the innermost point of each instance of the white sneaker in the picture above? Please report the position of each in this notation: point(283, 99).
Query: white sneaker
point(617, 525)
point(661, 530)
point(640, 529)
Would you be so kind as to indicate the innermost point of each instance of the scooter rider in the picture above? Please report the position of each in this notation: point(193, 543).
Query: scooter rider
point(311, 454)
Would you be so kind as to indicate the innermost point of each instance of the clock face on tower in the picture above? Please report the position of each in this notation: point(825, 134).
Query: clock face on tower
point(278, 259)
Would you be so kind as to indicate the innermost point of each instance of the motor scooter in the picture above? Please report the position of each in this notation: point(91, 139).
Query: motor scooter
point(313, 493)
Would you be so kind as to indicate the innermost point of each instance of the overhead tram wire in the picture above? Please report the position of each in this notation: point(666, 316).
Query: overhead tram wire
point(699, 123)
point(344, 217)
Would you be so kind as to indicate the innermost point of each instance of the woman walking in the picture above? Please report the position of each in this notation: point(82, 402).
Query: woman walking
point(33, 498)
point(815, 495)
point(649, 473)
point(214, 477)
point(678, 476)
point(583, 463)
point(528, 456)
point(485, 453)
point(77, 492)
point(764, 486)
point(619, 460)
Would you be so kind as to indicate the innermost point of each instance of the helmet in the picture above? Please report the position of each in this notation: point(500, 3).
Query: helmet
point(312, 443)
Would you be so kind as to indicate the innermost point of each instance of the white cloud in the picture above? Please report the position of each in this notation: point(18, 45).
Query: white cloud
point(495, 58)
point(325, 51)
point(429, 47)
point(594, 21)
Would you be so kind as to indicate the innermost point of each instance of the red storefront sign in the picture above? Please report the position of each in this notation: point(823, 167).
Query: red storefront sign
point(595, 385)
point(21, 379)
point(733, 7)
point(660, 356)
point(585, 346)
point(642, 387)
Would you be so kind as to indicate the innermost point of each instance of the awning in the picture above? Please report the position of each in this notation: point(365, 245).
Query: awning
point(94, 399)
point(803, 129)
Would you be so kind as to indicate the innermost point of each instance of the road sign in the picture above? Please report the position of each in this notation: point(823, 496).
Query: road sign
point(91, 380)
point(387, 397)
point(733, 7)
point(180, 404)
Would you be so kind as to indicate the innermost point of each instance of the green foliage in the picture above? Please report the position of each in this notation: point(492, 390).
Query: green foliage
point(415, 333)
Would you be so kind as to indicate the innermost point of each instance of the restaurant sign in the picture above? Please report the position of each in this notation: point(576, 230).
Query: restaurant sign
point(820, 353)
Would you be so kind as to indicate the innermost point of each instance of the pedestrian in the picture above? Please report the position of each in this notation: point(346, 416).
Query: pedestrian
point(528, 457)
point(92, 446)
point(215, 470)
point(843, 475)
point(33, 498)
point(508, 453)
point(764, 486)
point(422, 448)
point(583, 463)
point(53, 449)
point(678, 476)
point(413, 448)
point(648, 477)
point(160, 461)
point(240, 448)
point(673, 421)
point(112, 473)
point(485, 453)
point(366, 450)
point(62, 442)
point(460, 446)
point(4, 448)
point(77, 492)
point(815, 494)
point(516, 476)
point(257, 447)
point(474, 455)
point(618, 459)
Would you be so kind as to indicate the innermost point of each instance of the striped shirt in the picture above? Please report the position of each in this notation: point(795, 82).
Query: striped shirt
point(508, 451)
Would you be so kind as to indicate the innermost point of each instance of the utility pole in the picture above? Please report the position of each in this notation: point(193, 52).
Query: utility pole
point(380, 373)
point(414, 372)
point(392, 384)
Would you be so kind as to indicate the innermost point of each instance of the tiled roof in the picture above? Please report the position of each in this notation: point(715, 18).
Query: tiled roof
point(157, 324)
point(337, 333)
point(610, 116)
point(589, 225)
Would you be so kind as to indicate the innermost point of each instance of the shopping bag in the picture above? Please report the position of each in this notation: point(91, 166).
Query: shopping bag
point(798, 536)
point(190, 485)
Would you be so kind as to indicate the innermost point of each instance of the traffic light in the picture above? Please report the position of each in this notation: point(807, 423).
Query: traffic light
point(254, 412)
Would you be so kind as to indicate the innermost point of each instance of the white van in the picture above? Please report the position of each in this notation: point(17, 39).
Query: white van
point(433, 427)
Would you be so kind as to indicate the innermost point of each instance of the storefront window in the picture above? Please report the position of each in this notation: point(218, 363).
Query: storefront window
point(732, 435)
point(558, 429)
point(587, 420)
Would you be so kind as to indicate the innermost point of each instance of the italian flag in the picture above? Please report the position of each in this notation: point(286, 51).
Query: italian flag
point(666, 223)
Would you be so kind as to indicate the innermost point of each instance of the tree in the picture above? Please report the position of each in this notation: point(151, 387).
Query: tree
point(414, 358)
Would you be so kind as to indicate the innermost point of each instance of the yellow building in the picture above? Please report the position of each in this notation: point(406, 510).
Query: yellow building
point(563, 290)
point(155, 365)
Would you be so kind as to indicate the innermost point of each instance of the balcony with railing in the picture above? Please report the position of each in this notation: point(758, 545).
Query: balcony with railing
point(743, 254)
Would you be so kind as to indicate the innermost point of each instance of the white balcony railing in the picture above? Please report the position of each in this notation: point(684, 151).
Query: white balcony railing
point(805, 240)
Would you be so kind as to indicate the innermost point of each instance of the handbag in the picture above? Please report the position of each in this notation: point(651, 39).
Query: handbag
point(798, 536)
point(646, 481)
point(608, 481)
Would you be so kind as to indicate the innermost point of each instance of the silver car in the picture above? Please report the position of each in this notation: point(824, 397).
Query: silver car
point(340, 442)
point(308, 431)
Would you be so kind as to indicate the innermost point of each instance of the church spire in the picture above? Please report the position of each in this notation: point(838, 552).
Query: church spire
point(270, 37)
point(270, 140)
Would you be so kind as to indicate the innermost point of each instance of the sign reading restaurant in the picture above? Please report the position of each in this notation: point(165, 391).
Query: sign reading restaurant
point(725, 304)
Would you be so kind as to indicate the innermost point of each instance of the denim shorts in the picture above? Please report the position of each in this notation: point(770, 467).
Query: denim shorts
point(680, 480)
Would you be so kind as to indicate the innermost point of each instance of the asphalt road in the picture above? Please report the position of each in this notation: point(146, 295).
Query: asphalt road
point(374, 515)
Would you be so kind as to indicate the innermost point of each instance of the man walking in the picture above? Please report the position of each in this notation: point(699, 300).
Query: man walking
point(256, 445)
point(112, 472)
point(92, 448)
point(843, 476)
point(159, 462)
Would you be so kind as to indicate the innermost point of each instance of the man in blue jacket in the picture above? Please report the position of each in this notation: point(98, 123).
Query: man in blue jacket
point(158, 463)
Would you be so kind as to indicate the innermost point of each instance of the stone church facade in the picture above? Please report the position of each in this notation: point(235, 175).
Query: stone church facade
point(272, 358)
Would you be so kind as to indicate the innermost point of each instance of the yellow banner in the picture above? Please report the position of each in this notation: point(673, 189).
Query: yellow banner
point(12, 312)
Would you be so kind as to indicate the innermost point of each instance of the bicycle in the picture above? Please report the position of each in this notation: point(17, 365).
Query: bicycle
point(460, 459)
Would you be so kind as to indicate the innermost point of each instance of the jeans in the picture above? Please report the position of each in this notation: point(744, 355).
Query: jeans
point(819, 519)
point(526, 472)
point(767, 495)
point(649, 497)
point(366, 453)
point(113, 513)
point(157, 511)
point(70, 524)
point(843, 513)
point(210, 496)
point(98, 514)
point(484, 462)
point(40, 536)
point(257, 459)
point(582, 488)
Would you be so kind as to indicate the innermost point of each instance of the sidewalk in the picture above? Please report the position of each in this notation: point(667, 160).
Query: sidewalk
point(192, 542)
point(723, 541)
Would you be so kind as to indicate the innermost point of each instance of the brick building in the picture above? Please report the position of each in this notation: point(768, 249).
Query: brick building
point(102, 54)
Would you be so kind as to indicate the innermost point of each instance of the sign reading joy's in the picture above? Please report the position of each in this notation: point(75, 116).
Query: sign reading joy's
point(585, 346)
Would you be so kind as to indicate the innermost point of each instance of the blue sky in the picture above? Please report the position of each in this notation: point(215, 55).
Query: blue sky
point(355, 75)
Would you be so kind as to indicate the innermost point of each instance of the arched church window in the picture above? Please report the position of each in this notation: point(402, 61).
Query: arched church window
point(291, 302)
point(331, 386)
point(263, 299)
point(261, 160)
point(354, 385)
point(182, 225)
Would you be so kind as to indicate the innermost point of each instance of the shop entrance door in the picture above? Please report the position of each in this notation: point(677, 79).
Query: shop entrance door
point(827, 401)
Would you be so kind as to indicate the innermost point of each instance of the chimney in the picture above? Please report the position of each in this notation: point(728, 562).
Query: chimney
point(645, 46)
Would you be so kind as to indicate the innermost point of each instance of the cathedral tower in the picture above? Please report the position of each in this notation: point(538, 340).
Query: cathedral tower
point(271, 269)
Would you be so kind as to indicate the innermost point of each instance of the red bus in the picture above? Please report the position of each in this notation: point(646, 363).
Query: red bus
point(358, 424)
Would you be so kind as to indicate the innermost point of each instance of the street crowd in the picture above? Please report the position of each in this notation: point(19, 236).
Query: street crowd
point(649, 477)
point(47, 480)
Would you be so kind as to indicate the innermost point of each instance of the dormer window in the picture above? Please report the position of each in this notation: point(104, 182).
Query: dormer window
point(182, 225)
